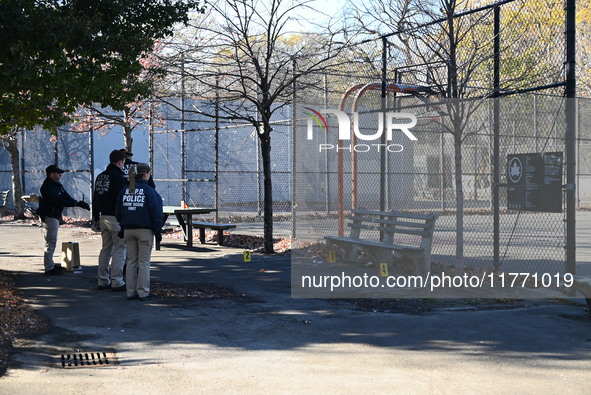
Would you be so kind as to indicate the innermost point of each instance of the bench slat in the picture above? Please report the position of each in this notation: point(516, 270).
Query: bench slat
point(395, 214)
point(390, 222)
point(415, 232)
point(396, 247)
point(213, 225)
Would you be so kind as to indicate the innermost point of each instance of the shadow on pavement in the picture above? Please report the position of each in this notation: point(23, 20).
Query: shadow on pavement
point(261, 315)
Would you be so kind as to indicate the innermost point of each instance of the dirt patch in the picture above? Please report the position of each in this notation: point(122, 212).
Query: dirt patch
point(247, 242)
point(17, 319)
point(190, 294)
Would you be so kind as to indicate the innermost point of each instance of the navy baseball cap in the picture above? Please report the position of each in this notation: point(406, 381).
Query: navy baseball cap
point(53, 169)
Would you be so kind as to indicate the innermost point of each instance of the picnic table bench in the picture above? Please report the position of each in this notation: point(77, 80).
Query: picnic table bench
point(213, 226)
point(185, 220)
point(184, 217)
point(379, 232)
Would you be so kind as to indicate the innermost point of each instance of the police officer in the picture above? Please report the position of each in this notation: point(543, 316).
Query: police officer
point(130, 162)
point(139, 211)
point(52, 200)
point(108, 186)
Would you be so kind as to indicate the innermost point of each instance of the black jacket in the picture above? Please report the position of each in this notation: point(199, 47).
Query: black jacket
point(53, 199)
point(107, 187)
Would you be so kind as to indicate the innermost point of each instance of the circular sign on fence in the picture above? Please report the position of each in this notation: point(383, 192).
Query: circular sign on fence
point(515, 169)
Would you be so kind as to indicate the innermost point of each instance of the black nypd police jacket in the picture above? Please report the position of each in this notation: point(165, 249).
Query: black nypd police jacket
point(107, 188)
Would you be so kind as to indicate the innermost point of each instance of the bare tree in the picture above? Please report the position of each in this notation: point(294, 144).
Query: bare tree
point(134, 113)
point(244, 58)
point(96, 118)
point(10, 143)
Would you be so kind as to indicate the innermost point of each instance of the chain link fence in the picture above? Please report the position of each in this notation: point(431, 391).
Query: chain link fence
point(207, 161)
point(419, 176)
point(38, 149)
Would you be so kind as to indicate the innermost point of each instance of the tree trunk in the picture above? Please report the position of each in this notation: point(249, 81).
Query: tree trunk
point(127, 129)
point(268, 190)
point(17, 186)
point(459, 203)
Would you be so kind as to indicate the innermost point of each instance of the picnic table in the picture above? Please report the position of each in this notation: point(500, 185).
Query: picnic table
point(185, 218)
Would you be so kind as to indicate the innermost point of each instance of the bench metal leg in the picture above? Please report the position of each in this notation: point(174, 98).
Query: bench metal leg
point(221, 237)
point(352, 253)
point(421, 266)
point(202, 235)
point(189, 231)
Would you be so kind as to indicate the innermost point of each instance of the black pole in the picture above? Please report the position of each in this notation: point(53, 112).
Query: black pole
point(56, 148)
point(383, 137)
point(496, 138)
point(327, 183)
point(151, 135)
point(293, 154)
point(91, 149)
point(23, 162)
point(217, 150)
point(571, 136)
point(183, 138)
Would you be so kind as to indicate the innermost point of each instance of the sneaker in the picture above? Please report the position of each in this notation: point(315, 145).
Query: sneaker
point(134, 297)
point(145, 298)
point(56, 271)
point(103, 287)
point(119, 289)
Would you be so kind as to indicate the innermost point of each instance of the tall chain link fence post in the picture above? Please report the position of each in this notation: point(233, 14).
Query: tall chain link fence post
point(571, 136)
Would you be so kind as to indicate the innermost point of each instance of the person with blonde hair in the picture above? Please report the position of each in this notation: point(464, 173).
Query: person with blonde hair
point(139, 211)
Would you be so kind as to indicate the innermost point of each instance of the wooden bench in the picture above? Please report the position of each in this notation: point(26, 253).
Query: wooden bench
point(3, 200)
point(213, 226)
point(379, 230)
point(583, 285)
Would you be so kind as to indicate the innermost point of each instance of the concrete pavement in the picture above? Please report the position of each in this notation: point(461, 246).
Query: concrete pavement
point(260, 340)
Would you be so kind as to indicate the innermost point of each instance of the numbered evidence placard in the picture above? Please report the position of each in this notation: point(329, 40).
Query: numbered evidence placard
point(534, 182)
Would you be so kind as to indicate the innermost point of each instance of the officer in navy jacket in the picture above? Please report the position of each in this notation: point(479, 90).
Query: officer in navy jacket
point(107, 189)
point(139, 211)
point(52, 200)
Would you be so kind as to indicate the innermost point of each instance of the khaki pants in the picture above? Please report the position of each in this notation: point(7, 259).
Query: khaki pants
point(50, 229)
point(112, 251)
point(139, 251)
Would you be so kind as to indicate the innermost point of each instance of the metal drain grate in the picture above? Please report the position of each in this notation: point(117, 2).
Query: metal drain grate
point(88, 359)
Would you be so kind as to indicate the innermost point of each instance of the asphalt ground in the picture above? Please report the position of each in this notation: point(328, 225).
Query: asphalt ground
point(242, 332)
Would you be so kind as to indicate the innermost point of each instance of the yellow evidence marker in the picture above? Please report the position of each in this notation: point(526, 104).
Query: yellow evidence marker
point(332, 257)
point(246, 256)
point(383, 270)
